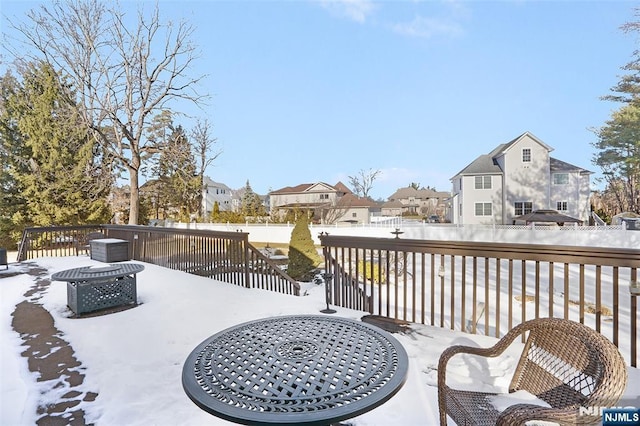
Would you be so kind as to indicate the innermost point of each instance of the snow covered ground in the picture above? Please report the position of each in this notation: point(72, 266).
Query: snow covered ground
point(133, 359)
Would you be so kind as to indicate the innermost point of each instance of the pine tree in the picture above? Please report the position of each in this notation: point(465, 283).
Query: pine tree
point(176, 170)
point(618, 141)
point(619, 156)
point(303, 257)
point(63, 182)
point(251, 204)
point(12, 203)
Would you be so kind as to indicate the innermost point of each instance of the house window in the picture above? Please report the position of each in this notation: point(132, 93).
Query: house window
point(561, 206)
point(526, 155)
point(324, 196)
point(523, 207)
point(561, 178)
point(483, 209)
point(354, 214)
point(483, 182)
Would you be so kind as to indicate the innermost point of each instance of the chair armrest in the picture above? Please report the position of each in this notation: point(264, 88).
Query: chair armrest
point(519, 414)
point(448, 353)
point(493, 351)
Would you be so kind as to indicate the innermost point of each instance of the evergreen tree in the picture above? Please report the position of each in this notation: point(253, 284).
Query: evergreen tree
point(62, 164)
point(619, 139)
point(176, 170)
point(12, 203)
point(158, 134)
point(215, 213)
point(619, 156)
point(251, 204)
point(303, 256)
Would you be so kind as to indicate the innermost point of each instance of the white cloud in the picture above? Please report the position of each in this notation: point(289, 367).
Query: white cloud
point(356, 10)
point(429, 27)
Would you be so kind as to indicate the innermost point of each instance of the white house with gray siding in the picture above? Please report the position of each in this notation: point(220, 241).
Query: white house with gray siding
point(215, 192)
point(516, 178)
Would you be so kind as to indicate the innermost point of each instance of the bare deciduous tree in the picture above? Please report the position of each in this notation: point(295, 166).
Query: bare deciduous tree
point(123, 73)
point(363, 181)
point(203, 143)
point(331, 213)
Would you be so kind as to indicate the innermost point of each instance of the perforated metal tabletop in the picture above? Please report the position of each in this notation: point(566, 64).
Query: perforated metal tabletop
point(97, 273)
point(310, 370)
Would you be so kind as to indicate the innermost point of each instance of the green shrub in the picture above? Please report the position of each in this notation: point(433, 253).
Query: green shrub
point(365, 271)
point(303, 257)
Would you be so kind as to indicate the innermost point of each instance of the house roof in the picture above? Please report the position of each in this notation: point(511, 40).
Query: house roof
point(209, 182)
point(395, 204)
point(503, 148)
point(341, 187)
point(561, 166)
point(547, 216)
point(423, 194)
point(483, 165)
point(487, 164)
point(352, 200)
point(308, 187)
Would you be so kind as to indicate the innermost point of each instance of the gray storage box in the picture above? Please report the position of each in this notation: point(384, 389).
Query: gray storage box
point(109, 250)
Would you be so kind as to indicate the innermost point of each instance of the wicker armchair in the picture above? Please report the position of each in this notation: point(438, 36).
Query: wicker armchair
point(564, 363)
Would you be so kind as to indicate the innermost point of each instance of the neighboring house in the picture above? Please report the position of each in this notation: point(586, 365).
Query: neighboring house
point(330, 204)
point(517, 178)
point(412, 201)
point(393, 208)
point(215, 191)
point(354, 209)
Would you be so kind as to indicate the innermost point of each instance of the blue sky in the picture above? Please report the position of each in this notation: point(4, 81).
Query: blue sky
point(307, 91)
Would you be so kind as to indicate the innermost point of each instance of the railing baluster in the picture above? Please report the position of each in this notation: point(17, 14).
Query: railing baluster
point(497, 314)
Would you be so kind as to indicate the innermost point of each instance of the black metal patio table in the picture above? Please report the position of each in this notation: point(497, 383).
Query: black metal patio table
point(305, 369)
point(92, 288)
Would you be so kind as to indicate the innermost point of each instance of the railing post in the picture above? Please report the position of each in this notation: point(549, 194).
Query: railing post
point(327, 289)
point(327, 275)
